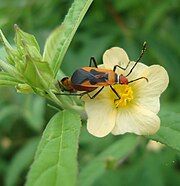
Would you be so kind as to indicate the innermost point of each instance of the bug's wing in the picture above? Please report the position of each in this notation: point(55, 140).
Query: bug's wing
point(79, 76)
point(96, 76)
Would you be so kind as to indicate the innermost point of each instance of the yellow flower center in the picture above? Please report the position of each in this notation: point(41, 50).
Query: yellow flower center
point(126, 94)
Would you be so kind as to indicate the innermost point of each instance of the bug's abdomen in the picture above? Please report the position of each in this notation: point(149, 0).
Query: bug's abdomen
point(84, 88)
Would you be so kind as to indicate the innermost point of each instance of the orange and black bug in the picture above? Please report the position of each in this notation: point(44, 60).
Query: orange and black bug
point(87, 79)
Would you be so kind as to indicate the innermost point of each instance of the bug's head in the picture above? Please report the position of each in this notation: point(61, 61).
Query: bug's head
point(66, 84)
point(64, 81)
point(123, 80)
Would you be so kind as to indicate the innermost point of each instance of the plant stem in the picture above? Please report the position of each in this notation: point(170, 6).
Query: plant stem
point(65, 105)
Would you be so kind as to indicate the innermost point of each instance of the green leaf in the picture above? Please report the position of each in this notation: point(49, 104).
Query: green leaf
point(55, 52)
point(20, 162)
point(10, 51)
point(24, 88)
point(27, 50)
point(51, 44)
point(38, 74)
point(22, 38)
point(5, 41)
point(6, 79)
point(117, 151)
point(27, 60)
point(56, 157)
point(34, 112)
point(169, 132)
point(2, 53)
point(10, 69)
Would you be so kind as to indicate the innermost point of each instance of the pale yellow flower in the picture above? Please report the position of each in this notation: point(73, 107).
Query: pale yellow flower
point(136, 111)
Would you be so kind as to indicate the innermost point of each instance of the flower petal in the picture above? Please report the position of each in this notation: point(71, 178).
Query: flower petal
point(147, 93)
point(157, 81)
point(101, 117)
point(101, 66)
point(136, 120)
point(115, 56)
point(149, 103)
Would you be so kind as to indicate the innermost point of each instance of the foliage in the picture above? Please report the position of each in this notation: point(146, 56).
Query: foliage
point(169, 132)
point(55, 160)
point(107, 159)
point(21, 160)
point(113, 160)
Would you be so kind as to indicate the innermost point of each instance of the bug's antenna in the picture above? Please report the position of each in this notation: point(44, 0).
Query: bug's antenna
point(141, 55)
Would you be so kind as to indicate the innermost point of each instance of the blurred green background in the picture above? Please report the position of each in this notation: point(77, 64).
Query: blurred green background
point(126, 24)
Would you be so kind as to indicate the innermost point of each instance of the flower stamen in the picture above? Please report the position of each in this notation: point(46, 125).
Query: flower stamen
point(126, 94)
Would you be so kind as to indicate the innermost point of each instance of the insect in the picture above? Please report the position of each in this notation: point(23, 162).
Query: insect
point(87, 79)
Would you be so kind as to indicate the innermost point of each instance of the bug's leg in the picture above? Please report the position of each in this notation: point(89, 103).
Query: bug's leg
point(115, 67)
point(72, 94)
point(82, 94)
point(85, 93)
point(138, 79)
point(142, 53)
point(76, 94)
point(119, 97)
point(92, 97)
point(93, 60)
